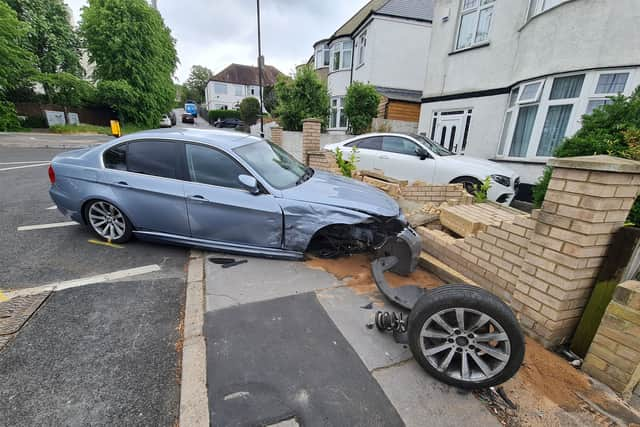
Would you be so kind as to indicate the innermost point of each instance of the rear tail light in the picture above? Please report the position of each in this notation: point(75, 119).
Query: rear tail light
point(52, 175)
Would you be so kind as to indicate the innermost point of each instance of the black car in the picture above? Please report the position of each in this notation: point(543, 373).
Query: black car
point(228, 123)
point(188, 118)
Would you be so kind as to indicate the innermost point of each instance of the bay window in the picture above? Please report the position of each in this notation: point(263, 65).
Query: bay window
point(341, 55)
point(475, 22)
point(538, 6)
point(522, 133)
point(322, 56)
point(337, 118)
point(609, 84)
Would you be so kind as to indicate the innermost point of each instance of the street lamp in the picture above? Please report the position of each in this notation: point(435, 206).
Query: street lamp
point(260, 66)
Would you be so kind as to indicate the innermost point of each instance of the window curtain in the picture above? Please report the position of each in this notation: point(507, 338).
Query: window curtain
point(505, 131)
point(567, 87)
point(554, 129)
point(522, 132)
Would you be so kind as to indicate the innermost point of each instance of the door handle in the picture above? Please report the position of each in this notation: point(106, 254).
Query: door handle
point(122, 183)
point(197, 197)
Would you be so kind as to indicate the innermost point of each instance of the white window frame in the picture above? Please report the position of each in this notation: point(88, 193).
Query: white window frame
point(593, 96)
point(610, 94)
point(536, 98)
point(217, 85)
point(242, 89)
point(340, 47)
point(361, 45)
point(339, 109)
point(536, 7)
point(473, 10)
point(319, 56)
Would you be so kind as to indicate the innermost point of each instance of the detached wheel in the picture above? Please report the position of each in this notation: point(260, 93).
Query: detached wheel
point(466, 337)
point(108, 222)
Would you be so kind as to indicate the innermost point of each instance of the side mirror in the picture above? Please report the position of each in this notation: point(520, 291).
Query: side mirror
point(249, 183)
point(422, 153)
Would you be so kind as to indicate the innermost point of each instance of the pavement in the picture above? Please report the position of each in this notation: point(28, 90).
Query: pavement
point(286, 342)
point(104, 353)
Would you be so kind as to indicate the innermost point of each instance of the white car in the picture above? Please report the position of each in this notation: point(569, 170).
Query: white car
point(165, 121)
point(415, 157)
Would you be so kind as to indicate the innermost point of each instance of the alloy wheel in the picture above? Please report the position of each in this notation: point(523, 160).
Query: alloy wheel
point(107, 220)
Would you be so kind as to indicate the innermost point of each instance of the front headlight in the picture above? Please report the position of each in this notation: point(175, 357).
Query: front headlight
point(502, 180)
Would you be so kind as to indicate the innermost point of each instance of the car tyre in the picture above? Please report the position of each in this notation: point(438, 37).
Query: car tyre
point(468, 182)
point(488, 329)
point(107, 221)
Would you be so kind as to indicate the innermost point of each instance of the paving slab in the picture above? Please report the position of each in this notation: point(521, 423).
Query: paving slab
point(271, 361)
point(259, 279)
point(96, 355)
point(376, 349)
point(422, 400)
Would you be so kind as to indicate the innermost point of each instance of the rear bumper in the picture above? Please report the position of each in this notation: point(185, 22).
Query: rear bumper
point(66, 206)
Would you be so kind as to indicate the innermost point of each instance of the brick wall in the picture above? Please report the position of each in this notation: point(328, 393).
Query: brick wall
point(614, 355)
point(323, 160)
point(310, 137)
point(276, 135)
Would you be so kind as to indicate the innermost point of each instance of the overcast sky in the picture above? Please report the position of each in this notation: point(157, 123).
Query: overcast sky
point(215, 33)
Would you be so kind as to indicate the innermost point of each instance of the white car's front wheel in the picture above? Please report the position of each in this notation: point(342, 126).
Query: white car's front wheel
point(468, 182)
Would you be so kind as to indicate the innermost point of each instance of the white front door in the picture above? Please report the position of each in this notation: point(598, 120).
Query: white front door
point(450, 131)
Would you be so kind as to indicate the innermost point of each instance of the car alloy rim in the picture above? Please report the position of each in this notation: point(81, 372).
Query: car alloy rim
point(465, 344)
point(107, 220)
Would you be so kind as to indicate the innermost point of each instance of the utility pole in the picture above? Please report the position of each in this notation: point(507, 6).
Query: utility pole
point(154, 4)
point(260, 66)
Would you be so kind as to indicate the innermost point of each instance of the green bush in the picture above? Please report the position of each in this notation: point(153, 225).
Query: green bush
point(8, 117)
point(361, 106)
point(612, 129)
point(481, 190)
point(347, 167)
point(249, 110)
point(34, 122)
point(302, 97)
point(222, 114)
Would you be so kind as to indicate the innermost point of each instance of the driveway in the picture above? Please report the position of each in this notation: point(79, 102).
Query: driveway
point(289, 340)
point(103, 351)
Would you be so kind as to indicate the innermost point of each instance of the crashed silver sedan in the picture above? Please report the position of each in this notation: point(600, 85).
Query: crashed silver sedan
point(227, 192)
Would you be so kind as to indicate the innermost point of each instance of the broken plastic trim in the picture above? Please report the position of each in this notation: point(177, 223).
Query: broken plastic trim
point(405, 296)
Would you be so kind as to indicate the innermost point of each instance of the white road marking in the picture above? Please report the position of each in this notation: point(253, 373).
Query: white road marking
point(23, 163)
point(75, 283)
point(22, 167)
point(50, 208)
point(43, 226)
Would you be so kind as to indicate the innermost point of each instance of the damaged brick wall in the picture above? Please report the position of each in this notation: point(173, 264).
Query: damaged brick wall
point(614, 355)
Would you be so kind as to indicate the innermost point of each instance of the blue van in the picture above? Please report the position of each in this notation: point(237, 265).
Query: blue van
point(191, 108)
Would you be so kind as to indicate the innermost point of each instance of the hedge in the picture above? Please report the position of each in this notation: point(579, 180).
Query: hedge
point(223, 114)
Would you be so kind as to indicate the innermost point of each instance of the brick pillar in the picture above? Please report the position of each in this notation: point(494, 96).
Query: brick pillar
point(614, 355)
point(587, 201)
point(310, 137)
point(276, 135)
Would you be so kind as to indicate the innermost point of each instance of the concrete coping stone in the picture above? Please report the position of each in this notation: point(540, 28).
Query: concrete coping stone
point(312, 119)
point(601, 162)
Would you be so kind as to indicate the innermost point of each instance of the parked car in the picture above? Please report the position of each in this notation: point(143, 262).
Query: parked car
point(415, 157)
point(228, 123)
point(216, 190)
point(188, 118)
point(165, 121)
point(172, 116)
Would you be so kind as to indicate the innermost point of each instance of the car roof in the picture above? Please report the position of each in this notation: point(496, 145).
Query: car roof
point(217, 138)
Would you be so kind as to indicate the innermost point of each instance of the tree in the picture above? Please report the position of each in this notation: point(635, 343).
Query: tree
point(300, 98)
point(132, 50)
point(50, 36)
point(612, 129)
point(361, 106)
point(270, 99)
point(249, 110)
point(197, 82)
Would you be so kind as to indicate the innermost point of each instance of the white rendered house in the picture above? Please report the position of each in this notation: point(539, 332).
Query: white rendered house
point(230, 86)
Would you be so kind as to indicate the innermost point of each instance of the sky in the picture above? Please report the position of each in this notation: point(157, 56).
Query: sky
point(215, 33)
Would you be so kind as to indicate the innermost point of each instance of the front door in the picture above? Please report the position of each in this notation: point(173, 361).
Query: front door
point(450, 131)
point(220, 209)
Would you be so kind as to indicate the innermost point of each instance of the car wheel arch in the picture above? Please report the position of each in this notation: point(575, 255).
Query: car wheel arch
point(86, 202)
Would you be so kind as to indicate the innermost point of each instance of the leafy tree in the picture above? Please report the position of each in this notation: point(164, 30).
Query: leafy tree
point(133, 51)
point(197, 82)
point(612, 129)
point(361, 106)
point(50, 36)
point(302, 97)
point(249, 110)
point(270, 99)
point(8, 117)
point(66, 89)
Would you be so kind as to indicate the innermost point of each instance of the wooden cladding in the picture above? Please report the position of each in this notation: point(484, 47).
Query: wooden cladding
point(398, 110)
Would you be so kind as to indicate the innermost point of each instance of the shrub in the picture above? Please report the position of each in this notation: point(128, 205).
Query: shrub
point(249, 110)
point(302, 97)
point(8, 117)
point(34, 122)
point(612, 129)
point(361, 106)
point(214, 115)
point(347, 167)
point(481, 190)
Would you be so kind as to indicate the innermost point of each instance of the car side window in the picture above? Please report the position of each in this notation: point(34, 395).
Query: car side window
point(397, 144)
point(157, 158)
point(372, 143)
point(116, 157)
point(210, 166)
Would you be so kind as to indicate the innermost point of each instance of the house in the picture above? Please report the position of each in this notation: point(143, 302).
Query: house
point(508, 80)
point(230, 86)
point(383, 44)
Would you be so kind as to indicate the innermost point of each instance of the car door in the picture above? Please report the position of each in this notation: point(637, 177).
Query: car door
point(399, 159)
point(146, 183)
point(367, 149)
point(220, 209)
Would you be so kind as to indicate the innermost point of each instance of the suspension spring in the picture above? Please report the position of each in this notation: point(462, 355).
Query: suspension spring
point(386, 321)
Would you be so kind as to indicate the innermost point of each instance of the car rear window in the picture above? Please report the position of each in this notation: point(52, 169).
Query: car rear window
point(116, 157)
